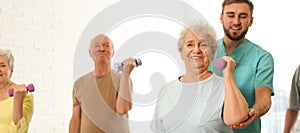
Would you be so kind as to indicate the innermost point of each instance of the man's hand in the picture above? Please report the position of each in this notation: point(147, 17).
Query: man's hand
point(253, 114)
point(128, 65)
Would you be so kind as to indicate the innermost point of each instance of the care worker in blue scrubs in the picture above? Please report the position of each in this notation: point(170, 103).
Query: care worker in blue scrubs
point(255, 66)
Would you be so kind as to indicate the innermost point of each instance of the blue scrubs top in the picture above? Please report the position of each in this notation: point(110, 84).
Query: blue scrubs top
point(255, 67)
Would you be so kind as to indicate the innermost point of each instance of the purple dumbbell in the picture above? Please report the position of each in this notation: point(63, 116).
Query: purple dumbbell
point(220, 63)
point(29, 87)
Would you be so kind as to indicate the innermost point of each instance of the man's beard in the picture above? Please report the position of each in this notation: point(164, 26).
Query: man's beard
point(235, 38)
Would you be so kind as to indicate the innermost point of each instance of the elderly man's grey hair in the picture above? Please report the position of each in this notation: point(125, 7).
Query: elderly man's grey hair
point(200, 27)
point(101, 36)
point(10, 58)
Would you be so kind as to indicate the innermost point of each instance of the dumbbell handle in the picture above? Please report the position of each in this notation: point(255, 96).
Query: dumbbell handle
point(119, 66)
point(30, 88)
point(220, 63)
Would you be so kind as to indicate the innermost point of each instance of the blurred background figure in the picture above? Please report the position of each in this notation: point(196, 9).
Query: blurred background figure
point(293, 107)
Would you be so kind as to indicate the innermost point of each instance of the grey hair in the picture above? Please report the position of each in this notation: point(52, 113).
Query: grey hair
point(198, 27)
point(10, 58)
point(102, 35)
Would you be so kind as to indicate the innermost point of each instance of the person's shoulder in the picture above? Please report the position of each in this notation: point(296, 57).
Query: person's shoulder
point(220, 42)
point(84, 77)
point(218, 85)
point(217, 79)
point(261, 52)
point(115, 74)
point(169, 87)
point(298, 69)
point(171, 84)
point(257, 47)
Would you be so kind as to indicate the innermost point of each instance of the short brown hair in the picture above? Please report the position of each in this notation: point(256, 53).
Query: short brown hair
point(228, 2)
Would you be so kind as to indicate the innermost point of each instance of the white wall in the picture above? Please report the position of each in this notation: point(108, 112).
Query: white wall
point(43, 35)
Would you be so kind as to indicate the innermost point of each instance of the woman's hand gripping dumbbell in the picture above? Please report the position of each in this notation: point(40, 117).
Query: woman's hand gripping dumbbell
point(30, 88)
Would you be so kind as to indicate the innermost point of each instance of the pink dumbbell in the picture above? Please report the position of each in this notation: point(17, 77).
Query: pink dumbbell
point(29, 87)
point(220, 63)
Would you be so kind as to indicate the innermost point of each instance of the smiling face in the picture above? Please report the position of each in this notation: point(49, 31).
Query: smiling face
point(5, 70)
point(236, 19)
point(195, 51)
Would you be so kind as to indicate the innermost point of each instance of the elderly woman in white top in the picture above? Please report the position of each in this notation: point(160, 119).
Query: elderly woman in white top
point(200, 101)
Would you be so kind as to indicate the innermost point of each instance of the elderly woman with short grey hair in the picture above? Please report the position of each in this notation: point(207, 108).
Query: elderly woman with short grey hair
point(16, 111)
point(200, 101)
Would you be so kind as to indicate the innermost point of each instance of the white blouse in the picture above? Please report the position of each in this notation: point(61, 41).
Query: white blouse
point(191, 107)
